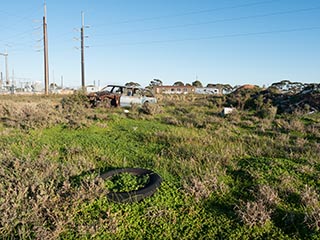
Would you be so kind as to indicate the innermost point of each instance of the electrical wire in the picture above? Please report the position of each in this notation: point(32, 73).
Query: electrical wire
point(220, 21)
point(216, 37)
point(17, 35)
point(188, 13)
point(20, 19)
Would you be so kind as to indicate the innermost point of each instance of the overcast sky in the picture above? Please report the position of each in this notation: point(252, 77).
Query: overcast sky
point(231, 41)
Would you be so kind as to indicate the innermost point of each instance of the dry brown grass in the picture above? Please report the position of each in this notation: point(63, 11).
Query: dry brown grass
point(296, 125)
point(37, 197)
point(268, 195)
point(253, 213)
point(202, 188)
point(210, 182)
point(258, 212)
point(29, 115)
point(30, 112)
point(310, 199)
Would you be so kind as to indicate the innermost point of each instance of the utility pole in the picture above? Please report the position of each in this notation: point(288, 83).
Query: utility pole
point(53, 89)
point(45, 50)
point(12, 82)
point(1, 81)
point(7, 70)
point(83, 84)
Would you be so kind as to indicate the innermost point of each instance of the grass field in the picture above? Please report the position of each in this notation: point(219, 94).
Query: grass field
point(235, 177)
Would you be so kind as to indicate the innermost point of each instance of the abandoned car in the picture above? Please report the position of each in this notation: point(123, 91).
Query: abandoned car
point(124, 96)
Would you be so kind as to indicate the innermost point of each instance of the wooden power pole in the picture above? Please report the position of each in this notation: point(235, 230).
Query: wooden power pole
point(45, 50)
point(83, 82)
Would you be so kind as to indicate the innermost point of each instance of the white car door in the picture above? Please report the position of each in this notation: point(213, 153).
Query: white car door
point(127, 101)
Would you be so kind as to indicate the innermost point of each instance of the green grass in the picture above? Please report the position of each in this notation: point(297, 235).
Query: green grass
point(217, 174)
point(126, 182)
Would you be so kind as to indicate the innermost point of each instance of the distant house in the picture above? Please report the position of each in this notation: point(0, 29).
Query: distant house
point(286, 86)
point(207, 90)
point(174, 89)
point(92, 88)
point(219, 88)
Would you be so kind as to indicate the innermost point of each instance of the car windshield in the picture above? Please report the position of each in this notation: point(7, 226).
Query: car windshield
point(107, 89)
point(112, 89)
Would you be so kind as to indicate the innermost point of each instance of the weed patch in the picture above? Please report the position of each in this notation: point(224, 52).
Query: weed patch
point(243, 176)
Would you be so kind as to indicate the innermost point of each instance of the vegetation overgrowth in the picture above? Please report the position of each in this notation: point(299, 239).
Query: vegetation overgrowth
point(249, 175)
point(126, 182)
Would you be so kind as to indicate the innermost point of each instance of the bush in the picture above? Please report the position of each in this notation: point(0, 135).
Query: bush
point(150, 109)
point(267, 112)
point(29, 115)
point(75, 109)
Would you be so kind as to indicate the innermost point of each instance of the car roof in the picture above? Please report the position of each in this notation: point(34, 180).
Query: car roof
point(112, 85)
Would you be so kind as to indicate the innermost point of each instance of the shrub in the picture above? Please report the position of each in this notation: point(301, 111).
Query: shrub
point(268, 112)
point(150, 109)
point(38, 198)
point(29, 115)
point(170, 120)
point(75, 109)
point(75, 101)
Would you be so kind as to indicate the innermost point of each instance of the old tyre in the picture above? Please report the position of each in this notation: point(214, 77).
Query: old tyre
point(133, 196)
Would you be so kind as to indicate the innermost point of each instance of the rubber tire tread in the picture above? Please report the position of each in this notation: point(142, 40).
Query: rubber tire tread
point(133, 196)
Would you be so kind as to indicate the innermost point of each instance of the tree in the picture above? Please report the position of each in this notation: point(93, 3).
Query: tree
point(227, 88)
point(197, 83)
point(178, 84)
point(132, 84)
point(155, 82)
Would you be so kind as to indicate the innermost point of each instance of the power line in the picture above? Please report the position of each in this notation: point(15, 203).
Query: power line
point(18, 15)
point(17, 35)
point(189, 13)
point(19, 19)
point(217, 36)
point(222, 20)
